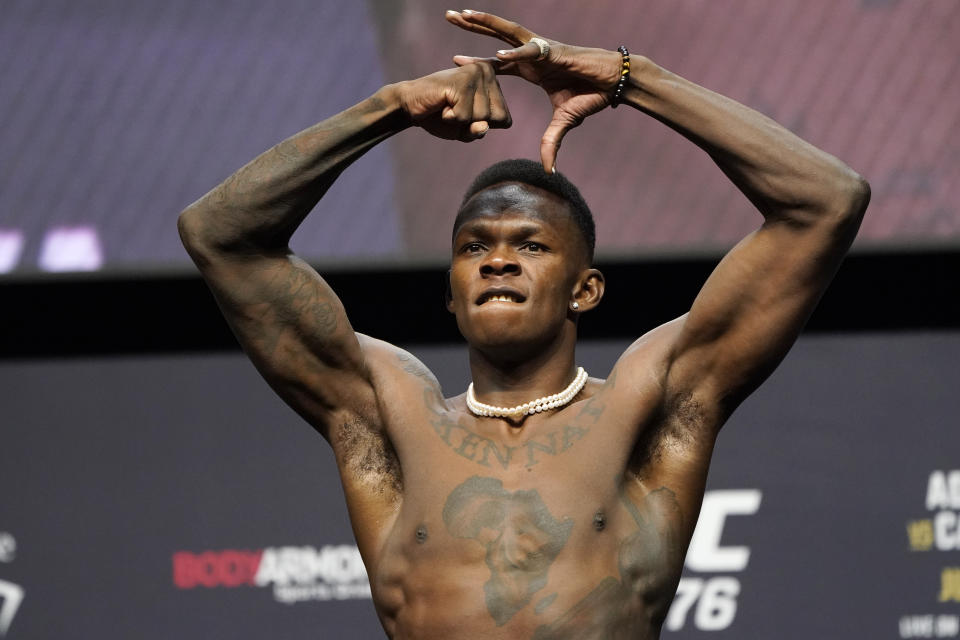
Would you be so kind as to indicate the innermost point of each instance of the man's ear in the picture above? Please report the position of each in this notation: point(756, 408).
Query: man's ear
point(588, 291)
point(448, 292)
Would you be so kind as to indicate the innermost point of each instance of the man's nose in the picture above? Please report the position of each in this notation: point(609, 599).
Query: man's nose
point(499, 263)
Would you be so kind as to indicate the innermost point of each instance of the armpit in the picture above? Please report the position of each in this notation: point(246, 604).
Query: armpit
point(367, 456)
point(682, 424)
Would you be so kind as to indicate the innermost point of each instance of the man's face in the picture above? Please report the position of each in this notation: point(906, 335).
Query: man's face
point(517, 255)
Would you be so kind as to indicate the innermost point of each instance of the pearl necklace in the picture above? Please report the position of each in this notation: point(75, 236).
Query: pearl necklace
point(529, 408)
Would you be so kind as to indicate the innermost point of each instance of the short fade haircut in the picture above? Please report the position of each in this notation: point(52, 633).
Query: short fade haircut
point(532, 173)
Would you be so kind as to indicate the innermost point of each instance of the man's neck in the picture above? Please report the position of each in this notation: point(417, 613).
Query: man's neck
point(511, 381)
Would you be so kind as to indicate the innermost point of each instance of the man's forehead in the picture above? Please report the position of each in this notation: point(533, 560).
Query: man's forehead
point(515, 198)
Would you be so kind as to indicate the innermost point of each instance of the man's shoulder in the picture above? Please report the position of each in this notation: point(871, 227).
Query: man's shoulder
point(647, 360)
point(391, 364)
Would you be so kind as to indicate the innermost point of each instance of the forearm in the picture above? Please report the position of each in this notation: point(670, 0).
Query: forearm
point(259, 207)
point(783, 175)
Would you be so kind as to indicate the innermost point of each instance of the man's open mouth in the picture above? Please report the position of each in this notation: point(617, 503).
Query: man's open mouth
point(500, 296)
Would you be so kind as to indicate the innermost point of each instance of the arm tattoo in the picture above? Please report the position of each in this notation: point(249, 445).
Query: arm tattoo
point(414, 367)
point(324, 318)
point(297, 300)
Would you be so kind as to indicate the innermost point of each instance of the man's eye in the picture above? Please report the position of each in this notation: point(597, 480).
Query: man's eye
point(534, 247)
point(473, 247)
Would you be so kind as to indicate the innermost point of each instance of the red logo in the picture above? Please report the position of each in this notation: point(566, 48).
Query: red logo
point(228, 568)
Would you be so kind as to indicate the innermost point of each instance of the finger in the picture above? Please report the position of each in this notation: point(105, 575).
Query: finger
point(477, 130)
point(550, 144)
point(500, 67)
point(461, 61)
point(524, 53)
point(506, 30)
point(455, 18)
point(459, 105)
point(499, 112)
point(481, 100)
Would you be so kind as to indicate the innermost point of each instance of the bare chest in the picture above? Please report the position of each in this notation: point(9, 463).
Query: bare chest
point(526, 534)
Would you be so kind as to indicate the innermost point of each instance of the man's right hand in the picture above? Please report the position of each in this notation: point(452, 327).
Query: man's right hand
point(456, 104)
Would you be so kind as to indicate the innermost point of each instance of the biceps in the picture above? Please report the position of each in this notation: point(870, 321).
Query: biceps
point(752, 308)
point(292, 326)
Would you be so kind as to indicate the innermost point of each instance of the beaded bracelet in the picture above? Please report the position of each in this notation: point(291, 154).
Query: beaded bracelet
point(624, 76)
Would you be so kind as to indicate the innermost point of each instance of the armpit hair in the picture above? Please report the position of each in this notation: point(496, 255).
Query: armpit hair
point(367, 455)
point(678, 426)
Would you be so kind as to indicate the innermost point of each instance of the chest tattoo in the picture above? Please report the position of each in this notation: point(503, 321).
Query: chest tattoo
point(490, 453)
point(521, 537)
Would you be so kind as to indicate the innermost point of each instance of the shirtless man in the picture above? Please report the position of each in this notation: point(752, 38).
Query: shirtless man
point(571, 522)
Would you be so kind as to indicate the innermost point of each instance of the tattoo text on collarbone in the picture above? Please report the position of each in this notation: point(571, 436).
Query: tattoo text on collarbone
point(488, 453)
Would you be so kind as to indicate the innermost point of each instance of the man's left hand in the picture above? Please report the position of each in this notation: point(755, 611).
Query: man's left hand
point(578, 80)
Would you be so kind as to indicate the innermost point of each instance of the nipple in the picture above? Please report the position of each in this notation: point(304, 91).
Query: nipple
point(599, 521)
point(421, 534)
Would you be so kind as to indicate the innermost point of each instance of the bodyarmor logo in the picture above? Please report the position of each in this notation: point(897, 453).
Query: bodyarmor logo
point(333, 572)
point(713, 600)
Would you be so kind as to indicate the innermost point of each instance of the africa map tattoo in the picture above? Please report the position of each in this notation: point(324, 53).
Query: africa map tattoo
point(522, 539)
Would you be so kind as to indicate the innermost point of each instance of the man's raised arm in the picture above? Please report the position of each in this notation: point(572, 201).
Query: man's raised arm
point(754, 305)
point(289, 321)
point(752, 308)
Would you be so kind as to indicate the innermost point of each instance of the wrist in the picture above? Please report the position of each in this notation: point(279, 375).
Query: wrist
point(388, 100)
point(643, 75)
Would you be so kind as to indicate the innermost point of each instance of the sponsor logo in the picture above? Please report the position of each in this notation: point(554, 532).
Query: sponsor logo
point(710, 601)
point(929, 626)
point(938, 532)
point(8, 547)
point(11, 595)
point(295, 574)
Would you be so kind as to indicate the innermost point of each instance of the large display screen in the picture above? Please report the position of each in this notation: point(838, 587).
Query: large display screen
point(118, 114)
point(177, 497)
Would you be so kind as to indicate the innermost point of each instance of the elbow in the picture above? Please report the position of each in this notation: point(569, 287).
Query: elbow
point(857, 196)
point(191, 229)
point(852, 195)
point(207, 237)
point(848, 202)
point(188, 227)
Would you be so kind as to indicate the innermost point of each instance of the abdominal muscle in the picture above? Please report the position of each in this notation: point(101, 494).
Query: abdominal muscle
point(498, 564)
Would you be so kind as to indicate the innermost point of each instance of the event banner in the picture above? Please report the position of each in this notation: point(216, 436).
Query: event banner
point(177, 497)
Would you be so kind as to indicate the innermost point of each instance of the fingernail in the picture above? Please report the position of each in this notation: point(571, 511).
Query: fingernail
point(554, 169)
point(503, 52)
point(452, 11)
point(468, 11)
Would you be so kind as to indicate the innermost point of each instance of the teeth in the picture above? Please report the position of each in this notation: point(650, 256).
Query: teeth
point(501, 298)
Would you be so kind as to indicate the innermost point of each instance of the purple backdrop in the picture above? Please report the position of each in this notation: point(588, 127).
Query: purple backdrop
point(118, 113)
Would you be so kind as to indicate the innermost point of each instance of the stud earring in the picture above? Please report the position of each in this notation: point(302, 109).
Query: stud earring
point(575, 306)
